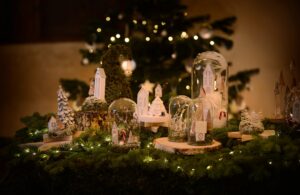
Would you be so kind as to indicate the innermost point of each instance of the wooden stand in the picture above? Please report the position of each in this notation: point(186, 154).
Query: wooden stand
point(183, 148)
point(246, 137)
point(49, 143)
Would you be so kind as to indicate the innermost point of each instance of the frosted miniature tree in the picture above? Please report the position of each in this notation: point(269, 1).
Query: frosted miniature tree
point(250, 123)
point(65, 114)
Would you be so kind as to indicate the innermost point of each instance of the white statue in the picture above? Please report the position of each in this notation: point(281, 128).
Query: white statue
point(52, 125)
point(208, 79)
point(99, 86)
point(143, 101)
point(157, 107)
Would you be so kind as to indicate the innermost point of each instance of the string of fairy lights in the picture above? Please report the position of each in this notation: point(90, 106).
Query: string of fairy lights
point(205, 33)
point(147, 159)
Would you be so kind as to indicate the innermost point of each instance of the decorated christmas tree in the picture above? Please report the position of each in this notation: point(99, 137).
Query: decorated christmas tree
point(164, 40)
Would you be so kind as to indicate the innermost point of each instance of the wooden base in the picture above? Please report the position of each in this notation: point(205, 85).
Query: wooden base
point(183, 148)
point(47, 146)
point(48, 139)
point(245, 137)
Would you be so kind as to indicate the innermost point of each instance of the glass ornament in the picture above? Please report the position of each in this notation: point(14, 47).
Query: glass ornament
point(292, 109)
point(123, 118)
point(178, 127)
point(200, 121)
point(209, 81)
point(206, 32)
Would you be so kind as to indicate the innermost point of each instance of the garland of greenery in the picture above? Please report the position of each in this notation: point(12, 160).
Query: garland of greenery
point(92, 159)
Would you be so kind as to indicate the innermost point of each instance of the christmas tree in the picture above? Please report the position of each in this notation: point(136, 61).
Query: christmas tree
point(164, 40)
point(65, 114)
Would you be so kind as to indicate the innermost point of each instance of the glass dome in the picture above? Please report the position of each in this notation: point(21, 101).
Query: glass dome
point(200, 121)
point(209, 80)
point(179, 122)
point(125, 131)
point(293, 108)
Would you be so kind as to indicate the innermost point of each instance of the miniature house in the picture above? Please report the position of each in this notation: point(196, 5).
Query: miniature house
point(99, 87)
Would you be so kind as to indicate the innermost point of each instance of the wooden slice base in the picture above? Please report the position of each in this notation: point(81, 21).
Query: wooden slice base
point(183, 148)
point(246, 137)
point(48, 139)
point(49, 145)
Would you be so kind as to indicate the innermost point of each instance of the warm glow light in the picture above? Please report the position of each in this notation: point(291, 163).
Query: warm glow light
point(163, 23)
point(127, 40)
point(128, 67)
point(147, 38)
point(187, 87)
point(112, 39)
point(118, 36)
point(184, 35)
point(154, 31)
point(99, 30)
point(195, 37)
point(156, 26)
point(170, 38)
point(144, 22)
point(107, 18)
point(211, 42)
point(134, 21)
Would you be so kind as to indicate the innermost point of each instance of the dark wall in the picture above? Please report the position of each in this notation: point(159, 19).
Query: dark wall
point(48, 20)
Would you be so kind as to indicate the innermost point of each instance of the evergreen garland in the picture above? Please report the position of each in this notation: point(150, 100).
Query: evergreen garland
point(93, 165)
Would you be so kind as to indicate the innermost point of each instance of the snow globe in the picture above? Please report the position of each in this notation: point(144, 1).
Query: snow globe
point(123, 117)
point(178, 127)
point(200, 121)
point(209, 81)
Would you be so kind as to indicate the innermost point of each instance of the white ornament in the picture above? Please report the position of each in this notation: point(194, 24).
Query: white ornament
point(251, 123)
point(148, 86)
point(91, 90)
point(52, 125)
point(206, 32)
point(157, 107)
point(128, 67)
point(208, 79)
point(99, 87)
point(142, 102)
point(115, 134)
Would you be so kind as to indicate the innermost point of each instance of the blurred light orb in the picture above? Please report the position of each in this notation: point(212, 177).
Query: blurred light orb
point(206, 32)
point(128, 67)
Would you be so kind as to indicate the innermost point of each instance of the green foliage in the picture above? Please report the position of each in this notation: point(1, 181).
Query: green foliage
point(93, 165)
point(75, 88)
point(117, 85)
point(35, 127)
point(239, 82)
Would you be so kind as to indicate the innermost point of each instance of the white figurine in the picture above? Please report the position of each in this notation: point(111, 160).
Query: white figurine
point(157, 107)
point(99, 86)
point(208, 79)
point(52, 125)
point(91, 90)
point(142, 102)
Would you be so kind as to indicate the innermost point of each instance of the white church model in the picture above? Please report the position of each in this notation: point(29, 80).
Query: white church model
point(99, 85)
point(154, 115)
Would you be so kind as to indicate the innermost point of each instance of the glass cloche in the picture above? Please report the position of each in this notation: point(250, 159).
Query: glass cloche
point(200, 121)
point(178, 127)
point(293, 108)
point(209, 81)
point(125, 131)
